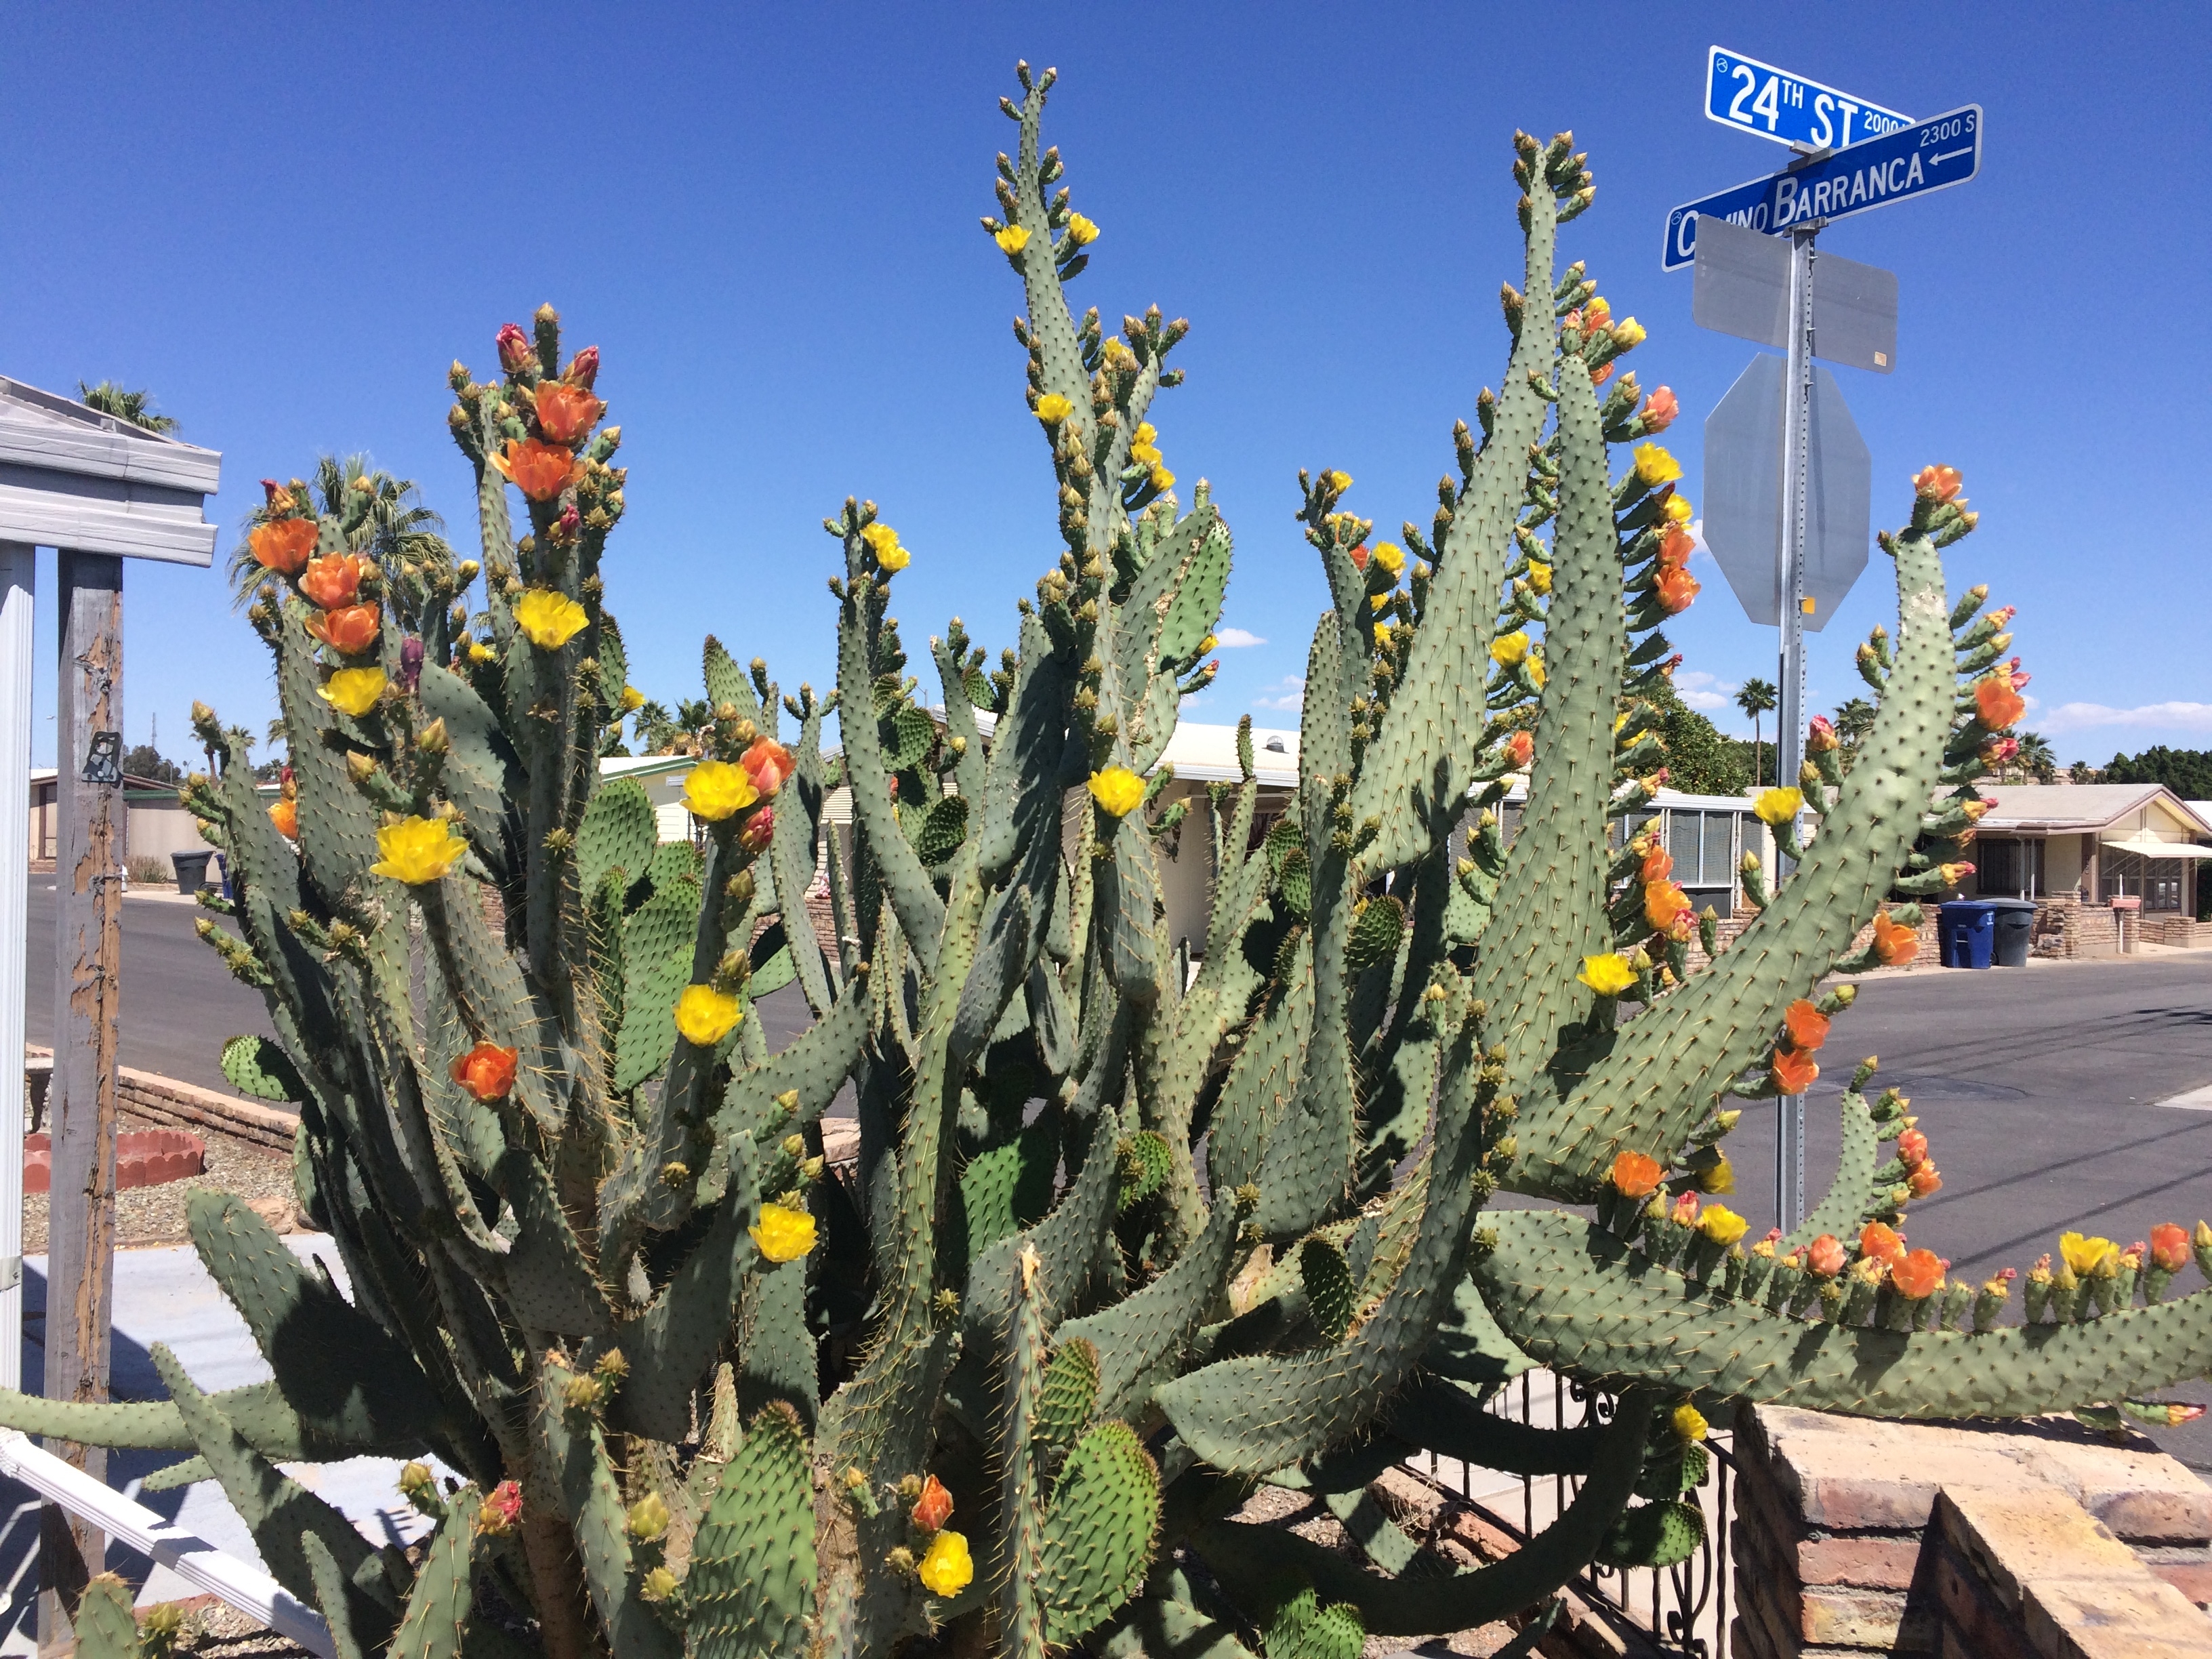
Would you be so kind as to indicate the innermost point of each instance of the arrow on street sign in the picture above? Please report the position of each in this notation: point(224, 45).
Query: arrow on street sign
point(1928, 155)
point(1743, 495)
point(1772, 103)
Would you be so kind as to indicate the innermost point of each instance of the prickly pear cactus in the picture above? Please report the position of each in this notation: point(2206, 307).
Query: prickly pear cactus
point(1136, 1224)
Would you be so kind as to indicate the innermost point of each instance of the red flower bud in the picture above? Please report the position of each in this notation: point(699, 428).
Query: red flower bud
point(583, 368)
point(2169, 1247)
point(754, 837)
point(934, 1507)
point(516, 353)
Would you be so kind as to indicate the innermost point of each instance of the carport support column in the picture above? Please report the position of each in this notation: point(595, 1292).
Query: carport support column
point(87, 1007)
point(18, 568)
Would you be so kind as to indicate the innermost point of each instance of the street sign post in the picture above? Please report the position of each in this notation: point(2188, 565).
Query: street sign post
point(1768, 102)
point(1914, 160)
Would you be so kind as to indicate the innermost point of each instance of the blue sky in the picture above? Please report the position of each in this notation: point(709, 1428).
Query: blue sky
point(288, 221)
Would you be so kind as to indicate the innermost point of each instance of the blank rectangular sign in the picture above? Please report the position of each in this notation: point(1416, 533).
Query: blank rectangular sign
point(1742, 287)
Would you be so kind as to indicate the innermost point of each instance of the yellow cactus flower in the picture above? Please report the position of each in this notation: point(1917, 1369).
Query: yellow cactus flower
point(1391, 557)
point(1052, 409)
point(1678, 510)
point(1540, 576)
point(1509, 649)
point(353, 690)
point(947, 1568)
point(548, 619)
point(1721, 1224)
point(1081, 231)
point(705, 1016)
point(632, 700)
point(1012, 241)
point(2082, 1254)
point(416, 850)
point(1339, 482)
point(1609, 974)
point(1144, 454)
point(1377, 601)
point(1536, 674)
point(714, 790)
point(478, 651)
point(1779, 806)
point(1719, 1178)
point(783, 1234)
point(1207, 644)
point(1655, 466)
point(1144, 433)
point(1117, 790)
point(1688, 1422)
point(1629, 332)
point(883, 541)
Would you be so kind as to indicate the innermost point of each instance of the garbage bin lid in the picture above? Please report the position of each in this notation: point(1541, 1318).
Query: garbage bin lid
point(2008, 904)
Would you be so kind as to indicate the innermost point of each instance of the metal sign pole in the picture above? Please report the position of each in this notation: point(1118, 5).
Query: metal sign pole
point(1789, 745)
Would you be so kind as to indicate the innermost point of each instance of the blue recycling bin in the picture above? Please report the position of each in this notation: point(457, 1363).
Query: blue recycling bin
point(1966, 931)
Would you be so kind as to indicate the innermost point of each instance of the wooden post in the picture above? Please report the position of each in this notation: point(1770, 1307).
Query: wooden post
point(88, 985)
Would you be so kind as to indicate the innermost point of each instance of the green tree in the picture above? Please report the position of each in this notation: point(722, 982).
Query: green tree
point(2187, 772)
point(1699, 760)
point(1757, 697)
point(148, 762)
point(136, 407)
point(1854, 720)
point(2036, 759)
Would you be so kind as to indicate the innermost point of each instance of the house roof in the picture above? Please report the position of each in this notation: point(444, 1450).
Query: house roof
point(1207, 754)
point(2086, 808)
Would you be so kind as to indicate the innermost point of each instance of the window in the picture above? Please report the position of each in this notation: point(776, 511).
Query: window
point(1704, 847)
point(2005, 866)
point(2157, 882)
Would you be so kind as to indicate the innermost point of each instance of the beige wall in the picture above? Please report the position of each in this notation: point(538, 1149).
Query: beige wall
point(155, 831)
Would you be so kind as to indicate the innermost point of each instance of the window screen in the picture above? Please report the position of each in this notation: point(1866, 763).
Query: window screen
point(1719, 861)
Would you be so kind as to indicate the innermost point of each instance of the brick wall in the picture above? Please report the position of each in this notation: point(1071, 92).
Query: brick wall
point(2037, 1540)
point(180, 1105)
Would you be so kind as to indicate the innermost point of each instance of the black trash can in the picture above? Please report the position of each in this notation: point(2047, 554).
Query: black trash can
point(2015, 926)
point(192, 871)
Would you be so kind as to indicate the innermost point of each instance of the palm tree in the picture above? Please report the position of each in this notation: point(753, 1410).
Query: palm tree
point(396, 528)
point(136, 407)
point(1756, 698)
point(2036, 758)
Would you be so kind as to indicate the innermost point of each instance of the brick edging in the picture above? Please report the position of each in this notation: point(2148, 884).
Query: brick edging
point(186, 1105)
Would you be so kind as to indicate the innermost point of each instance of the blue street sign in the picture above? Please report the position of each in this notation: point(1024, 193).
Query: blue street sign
point(1771, 103)
point(1911, 161)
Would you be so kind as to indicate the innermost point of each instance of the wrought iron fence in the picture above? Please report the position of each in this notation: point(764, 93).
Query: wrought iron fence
point(1684, 1609)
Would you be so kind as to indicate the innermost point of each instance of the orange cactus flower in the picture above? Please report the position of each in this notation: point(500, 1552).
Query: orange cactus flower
point(1676, 588)
point(285, 815)
point(1825, 1256)
point(1635, 1175)
point(486, 1071)
point(1881, 1243)
point(1794, 1071)
point(1806, 1026)
point(769, 763)
point(1360, 555)
point(1938, 482)
point(352, 631)
point(1894, 945)
point(934, 1507)
point(1663, 903)
point(1998, 703)
point(2169, 1247)
point(565, 413)
point(333, 581)
point(540, 471)
point(1924, 1181)
point(1913, 1148)
point(1660, 409)
point(1675, 546)
point(1521, 749)
point(1919, 1275)
point(283, 544)
point(1658, 865)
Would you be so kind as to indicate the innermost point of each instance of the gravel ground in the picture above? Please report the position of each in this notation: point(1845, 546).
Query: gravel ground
point(147, 1216)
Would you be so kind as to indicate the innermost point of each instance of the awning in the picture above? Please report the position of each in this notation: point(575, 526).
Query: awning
point(2150, 847)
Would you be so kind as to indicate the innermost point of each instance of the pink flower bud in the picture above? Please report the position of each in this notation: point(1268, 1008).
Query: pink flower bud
point(1822, 736)
point(583, 368)
point(516, 352)
point(758, 827)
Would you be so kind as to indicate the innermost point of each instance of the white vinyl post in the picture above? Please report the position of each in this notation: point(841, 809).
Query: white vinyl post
point(17, 566)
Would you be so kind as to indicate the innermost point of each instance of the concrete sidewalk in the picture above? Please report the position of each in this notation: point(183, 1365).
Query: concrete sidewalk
point(166, 1296)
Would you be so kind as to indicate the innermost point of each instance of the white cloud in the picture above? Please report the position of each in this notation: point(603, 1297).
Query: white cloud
point(1702, 691)
point(1231, 639)
point(1290, 694)
point(2093, 716)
